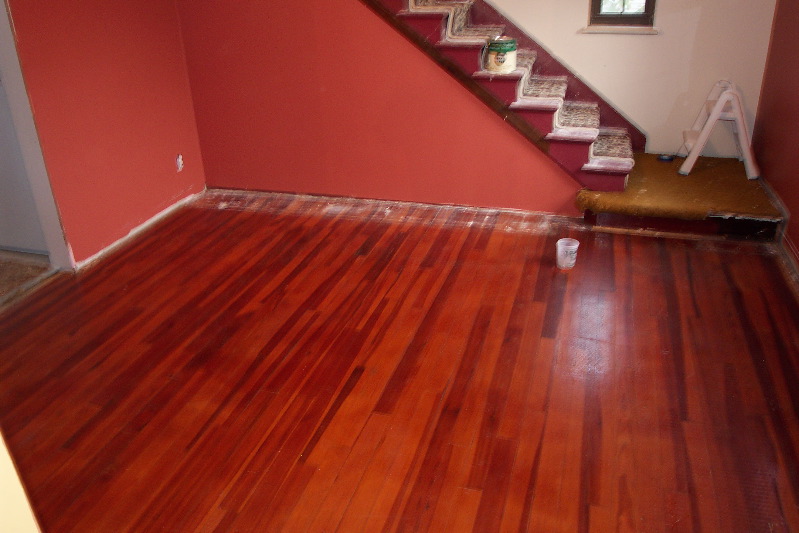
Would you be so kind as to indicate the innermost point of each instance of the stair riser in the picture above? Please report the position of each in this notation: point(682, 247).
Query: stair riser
point(467, 58)
point(395, 6)
point(504, 89)
point(571, 156)
point(540, 120)
point(601, 182)
point(483, 13)
point(429, 26)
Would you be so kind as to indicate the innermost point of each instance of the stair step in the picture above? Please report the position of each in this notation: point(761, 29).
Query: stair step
point(517, 74)
point(507, 87)
point(579, 115)
point(525, 58)
point(572, 155)
point(475, 33)
point(542, 92)
point(576, 121)
point(600, 160)
point(611, 152)
point(458, 26)
point(428, 25)
point(465, 55)
point(504, 87)
point(546, 87)
point(538, 115)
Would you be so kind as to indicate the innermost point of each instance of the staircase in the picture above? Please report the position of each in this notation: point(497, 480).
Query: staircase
point(542, 99)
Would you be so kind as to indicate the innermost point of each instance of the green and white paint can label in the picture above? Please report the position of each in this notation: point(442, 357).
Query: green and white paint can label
point(499, 55)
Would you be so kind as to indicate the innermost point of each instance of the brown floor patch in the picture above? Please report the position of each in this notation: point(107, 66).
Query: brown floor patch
point(715, 187)
point(18, 272)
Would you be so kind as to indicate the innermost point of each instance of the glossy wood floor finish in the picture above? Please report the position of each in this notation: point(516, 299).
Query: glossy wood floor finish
point(281, 363)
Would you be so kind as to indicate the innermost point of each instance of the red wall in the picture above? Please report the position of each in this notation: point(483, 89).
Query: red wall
point(776, 134)
point(324, 97)
point(112, 105)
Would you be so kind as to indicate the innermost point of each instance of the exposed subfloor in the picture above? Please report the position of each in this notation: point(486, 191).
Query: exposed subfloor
point(716, 189)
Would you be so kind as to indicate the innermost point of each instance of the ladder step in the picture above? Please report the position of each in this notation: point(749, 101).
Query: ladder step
point(689, 138)
point(727, 113)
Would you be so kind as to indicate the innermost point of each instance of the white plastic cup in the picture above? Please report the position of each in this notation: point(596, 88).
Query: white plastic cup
point(567, 253)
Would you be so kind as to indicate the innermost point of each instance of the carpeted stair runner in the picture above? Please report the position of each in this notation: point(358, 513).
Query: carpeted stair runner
point(576, 121)
point(612, 149)
point(581, 132)
point(458, 28)
point(571, 129)
point(545, 90)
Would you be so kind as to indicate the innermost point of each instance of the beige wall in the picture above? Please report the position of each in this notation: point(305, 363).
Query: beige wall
point(15, 513)
point(660, 81)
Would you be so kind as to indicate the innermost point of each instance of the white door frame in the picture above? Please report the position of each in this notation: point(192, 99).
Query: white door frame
point(11, 73)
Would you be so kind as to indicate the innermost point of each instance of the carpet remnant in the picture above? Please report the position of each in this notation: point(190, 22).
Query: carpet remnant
point(579, 115)
point(716, 187)
point(18, 273)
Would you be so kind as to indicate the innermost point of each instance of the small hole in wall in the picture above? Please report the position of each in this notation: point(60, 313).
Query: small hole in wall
point(179, 162)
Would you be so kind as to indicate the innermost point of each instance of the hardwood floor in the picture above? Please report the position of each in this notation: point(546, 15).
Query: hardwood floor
point(282, 363)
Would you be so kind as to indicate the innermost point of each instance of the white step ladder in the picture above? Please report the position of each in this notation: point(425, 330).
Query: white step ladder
point(723, 103)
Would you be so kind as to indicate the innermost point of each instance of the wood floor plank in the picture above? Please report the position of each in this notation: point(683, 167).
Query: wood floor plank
point(274, 362)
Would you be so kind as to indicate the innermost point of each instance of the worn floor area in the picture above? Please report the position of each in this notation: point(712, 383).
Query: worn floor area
point(715, 187)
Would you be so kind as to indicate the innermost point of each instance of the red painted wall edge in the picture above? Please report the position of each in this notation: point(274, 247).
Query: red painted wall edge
point(318, 97)
point(109, 90)
point(324, 97)
point(776, 135)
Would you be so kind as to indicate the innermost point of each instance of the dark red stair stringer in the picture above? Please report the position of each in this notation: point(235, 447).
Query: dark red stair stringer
point(563, 122)
point(484, 13)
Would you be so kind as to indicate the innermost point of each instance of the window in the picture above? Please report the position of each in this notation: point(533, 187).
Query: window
point(622, 12)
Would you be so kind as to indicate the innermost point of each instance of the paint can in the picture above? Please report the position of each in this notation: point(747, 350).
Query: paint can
point(499, 55)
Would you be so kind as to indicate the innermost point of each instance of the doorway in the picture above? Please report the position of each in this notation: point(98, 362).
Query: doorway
point(29, 221)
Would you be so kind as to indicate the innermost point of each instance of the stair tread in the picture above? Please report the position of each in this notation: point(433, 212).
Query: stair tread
point(611, 152)
point(579, 115)
point(525, 57)
point(517, 74)
point(476, 32)
point(459, 27)
point(445, 3)
point(576, 122)
point(574, 125)
point(615, 144)
point(475, 45)
point(422, 14)
point(545, 87)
